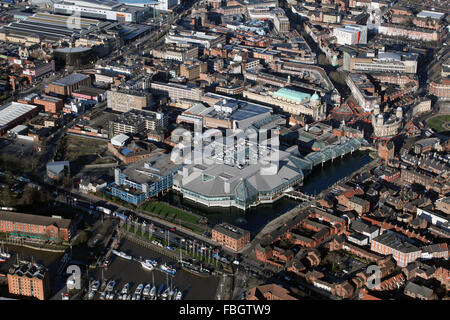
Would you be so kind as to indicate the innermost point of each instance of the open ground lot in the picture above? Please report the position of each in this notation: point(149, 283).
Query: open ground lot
point(82, 151)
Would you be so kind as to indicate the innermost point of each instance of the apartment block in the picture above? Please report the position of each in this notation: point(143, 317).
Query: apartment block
point(30, 280)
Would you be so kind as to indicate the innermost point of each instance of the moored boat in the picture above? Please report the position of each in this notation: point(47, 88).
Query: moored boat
point(165, 268)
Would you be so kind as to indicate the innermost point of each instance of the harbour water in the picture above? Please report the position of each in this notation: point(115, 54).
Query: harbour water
point(123, 271)
point(254, 219)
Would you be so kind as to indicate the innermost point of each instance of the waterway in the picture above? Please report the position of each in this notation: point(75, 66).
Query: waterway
point(123, 271)
point(254, 219)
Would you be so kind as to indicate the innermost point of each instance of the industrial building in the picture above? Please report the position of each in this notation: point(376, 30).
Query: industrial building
point(15, 113)
point(100, 37)
point(65, 86)
point(107, 10)
point(45, 27)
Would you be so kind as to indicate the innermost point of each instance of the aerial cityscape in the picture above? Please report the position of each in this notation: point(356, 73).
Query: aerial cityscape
point(232, 150)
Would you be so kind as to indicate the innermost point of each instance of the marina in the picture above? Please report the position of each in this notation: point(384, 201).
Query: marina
point(181, 285)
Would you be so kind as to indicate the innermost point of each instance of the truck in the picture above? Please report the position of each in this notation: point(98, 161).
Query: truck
point(104, 210)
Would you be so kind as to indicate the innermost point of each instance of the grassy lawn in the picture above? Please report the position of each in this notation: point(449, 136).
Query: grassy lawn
point(436, 123)
point(163, 211)
point(168, 212)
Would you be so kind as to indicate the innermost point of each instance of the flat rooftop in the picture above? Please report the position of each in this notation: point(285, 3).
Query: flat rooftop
point(395, 242)
point(230, 230)
point(151, 169)
point(13, 111)
point(71, 79)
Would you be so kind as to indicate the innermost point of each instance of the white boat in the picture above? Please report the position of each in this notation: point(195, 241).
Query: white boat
point(103, 295)
point(91, 294)
point(147, 289)
point(165, 294)
point(138, 297)
point(164, 267)
point(4, 254)
point(152, 292)
point(139, 289)
point(148, 265)
point(179, 295)
point(111, 285)
point(95, 286)
point(122, 255)
point(171, 294)
point(125, 288)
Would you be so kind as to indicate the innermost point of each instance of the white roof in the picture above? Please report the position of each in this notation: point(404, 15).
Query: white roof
point(431, 14)
point(119, 139)
point(18, 128)
point(13, 111)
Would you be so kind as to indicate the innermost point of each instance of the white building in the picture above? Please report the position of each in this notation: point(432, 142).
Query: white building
point(107, 9)
point(351, 35)
point(120, 140)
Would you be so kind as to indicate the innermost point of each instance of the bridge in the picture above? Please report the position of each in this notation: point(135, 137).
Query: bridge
point(297, 195)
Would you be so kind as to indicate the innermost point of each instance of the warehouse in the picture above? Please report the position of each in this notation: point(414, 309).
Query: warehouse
point(14, 114)
point(65, 86)
point(108, 10)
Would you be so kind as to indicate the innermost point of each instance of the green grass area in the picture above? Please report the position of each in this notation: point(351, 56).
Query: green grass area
point(436, 123)
point(169, 213)
point(162, 211)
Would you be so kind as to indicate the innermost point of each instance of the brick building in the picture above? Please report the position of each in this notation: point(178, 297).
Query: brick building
point(50, 104)
point(269, 292)
point(65, 86)
point(386, 150)
point(441, 89)
point(30, 280)
point(36, 227)
point(232, 237)
point(402, 251)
